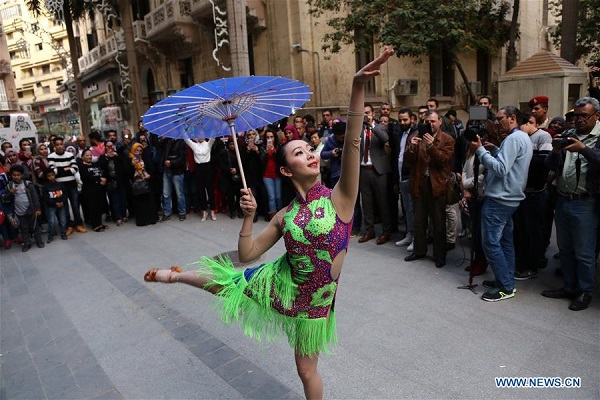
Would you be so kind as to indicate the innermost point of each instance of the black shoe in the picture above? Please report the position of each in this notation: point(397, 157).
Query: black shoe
point(50, 239)
point(450, 246)
point(164, 218)
point(581, 302)
point(543, 263)
point(558, 294)
point(26, 248)
point(413, 257)
point(64, 236)
point(523, 276)
point(556, 256)
point(440, 262)
point(490, 284)
point(40, 244)
point(182, 217)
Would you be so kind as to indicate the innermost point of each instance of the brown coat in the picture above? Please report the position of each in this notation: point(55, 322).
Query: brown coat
point(438, 157)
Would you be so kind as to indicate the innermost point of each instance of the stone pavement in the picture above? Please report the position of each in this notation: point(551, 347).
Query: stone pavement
point(78, 322)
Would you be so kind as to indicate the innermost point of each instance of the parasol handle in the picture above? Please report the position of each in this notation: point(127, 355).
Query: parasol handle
point(237, 152)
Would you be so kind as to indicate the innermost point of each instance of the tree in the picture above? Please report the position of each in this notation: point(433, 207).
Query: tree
point(577, 28)
point(72, 11)
point(417, 27)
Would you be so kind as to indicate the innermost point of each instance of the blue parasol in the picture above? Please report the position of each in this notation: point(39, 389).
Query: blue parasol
point(220, 107)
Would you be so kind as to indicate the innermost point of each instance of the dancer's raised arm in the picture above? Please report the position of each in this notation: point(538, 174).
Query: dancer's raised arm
point(344, 193)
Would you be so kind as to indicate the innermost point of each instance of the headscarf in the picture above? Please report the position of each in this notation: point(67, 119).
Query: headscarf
point(137, 164)
point(37, 147)
point(294, 131)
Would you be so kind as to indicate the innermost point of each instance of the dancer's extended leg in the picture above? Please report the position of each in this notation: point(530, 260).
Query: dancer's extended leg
point(176, 274)
point(311, 379)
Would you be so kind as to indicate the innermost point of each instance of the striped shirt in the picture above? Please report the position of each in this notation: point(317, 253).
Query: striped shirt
point(64, 166)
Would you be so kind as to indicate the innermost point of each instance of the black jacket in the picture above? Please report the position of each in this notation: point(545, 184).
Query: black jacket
point(175, 153)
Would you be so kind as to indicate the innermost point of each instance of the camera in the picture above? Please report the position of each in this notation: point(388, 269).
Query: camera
point(596, 64)
point(563, 140)
point(422, 129)
point(474, 130)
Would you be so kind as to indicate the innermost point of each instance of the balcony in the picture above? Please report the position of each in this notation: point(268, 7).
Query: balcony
point(171, 21)
point(203, 9)
point(139, 31)
point(98, 55)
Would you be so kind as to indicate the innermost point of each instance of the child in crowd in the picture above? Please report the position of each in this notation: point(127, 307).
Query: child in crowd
point(55, 201)
point(23, 196)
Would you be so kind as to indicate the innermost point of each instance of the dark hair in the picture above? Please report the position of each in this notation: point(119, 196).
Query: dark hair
point(523, 117)
point(327, 110)
point(16, 168)
point(424, 106)
point(85, 151)
point(437, 103)
point(95, 135)
point(23, 140)
point(485, 97)
point(309, 119)
point(404, 110)
point(57, 138)
point(510, 111)
point(281, 159)
point(451, 112)
point(339, 128)
point(48, 171)
point(370, 106)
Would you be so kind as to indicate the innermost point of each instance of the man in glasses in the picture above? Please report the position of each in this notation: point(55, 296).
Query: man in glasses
point(505, 183)
point(576, 161)
point(539, 109)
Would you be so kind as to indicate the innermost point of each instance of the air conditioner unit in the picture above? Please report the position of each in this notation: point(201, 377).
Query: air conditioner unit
point(26, 107)
point(406, 87)
point(475, 87)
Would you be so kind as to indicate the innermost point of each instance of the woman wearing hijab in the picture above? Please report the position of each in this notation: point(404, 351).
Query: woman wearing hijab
point(143, 199)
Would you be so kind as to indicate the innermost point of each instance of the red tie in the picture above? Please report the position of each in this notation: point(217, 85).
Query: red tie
point(367, 145)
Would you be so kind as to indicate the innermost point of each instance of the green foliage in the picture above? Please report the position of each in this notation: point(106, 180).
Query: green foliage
point(415, 27)
point(588, 27)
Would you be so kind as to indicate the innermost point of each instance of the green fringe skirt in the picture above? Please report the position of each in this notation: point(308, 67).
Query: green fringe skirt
point(247, 297)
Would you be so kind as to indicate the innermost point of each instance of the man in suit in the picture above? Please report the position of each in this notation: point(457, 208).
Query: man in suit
point(429, 160)
point(374, 167)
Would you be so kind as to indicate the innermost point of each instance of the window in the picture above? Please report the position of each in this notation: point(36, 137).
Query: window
point(362, 57)
point(45, 69)
point(46, 89)
point(20, 95)
point(59, 82)
point(38, 84)
point(39, 46)
point(441, 73)
point(13, 55)
point(9, 36)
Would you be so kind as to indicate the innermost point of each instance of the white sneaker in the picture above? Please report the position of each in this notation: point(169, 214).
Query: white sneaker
point(411, 246)
point(406, 241)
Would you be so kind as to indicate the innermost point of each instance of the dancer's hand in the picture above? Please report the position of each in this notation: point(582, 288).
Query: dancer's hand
point(372, 69)
point(247, 202)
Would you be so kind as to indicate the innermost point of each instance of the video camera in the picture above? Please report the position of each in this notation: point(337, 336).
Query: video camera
point(475, 126)
point(563, 140)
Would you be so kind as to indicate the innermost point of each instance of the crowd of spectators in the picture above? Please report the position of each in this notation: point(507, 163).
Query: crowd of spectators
point(518, 171)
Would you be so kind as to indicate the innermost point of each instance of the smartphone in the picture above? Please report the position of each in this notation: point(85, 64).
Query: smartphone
point(270, 142)
point(423, 129)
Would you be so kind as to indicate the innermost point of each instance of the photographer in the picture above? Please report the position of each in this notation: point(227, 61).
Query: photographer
point(505, 183)
point(428, 155)
point(575, 158)
point(332, 151)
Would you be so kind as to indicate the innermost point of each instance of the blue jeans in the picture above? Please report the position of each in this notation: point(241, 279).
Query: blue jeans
point(497, 241)
point(170, 180)
point(409, 207)
point(273, 186)
point(55, 213)
point(70, 190)
point(118, 202)
point(576, 230)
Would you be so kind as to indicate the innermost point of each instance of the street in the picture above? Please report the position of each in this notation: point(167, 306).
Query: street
point(79, 322)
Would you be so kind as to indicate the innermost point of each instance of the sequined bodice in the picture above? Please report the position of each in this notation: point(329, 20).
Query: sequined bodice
point(314, 235)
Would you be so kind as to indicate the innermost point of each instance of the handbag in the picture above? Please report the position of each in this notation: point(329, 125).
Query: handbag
point(454, 194)
point(140, 187)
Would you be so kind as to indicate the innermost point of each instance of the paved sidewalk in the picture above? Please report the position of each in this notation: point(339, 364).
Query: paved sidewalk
point(78, 322)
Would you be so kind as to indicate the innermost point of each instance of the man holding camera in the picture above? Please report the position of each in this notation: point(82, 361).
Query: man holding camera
point(575, 158)
point(505, 182)
point(428, 155)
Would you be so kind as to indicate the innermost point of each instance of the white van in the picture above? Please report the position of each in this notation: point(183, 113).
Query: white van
point(17, 126)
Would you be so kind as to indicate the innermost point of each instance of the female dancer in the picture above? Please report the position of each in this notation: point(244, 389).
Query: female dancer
point(295, 293)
